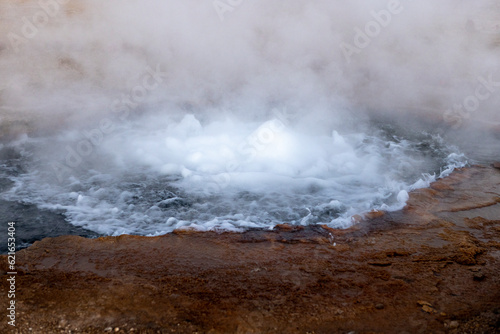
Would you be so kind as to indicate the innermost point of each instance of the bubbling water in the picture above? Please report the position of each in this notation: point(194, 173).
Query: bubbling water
point(229, 175)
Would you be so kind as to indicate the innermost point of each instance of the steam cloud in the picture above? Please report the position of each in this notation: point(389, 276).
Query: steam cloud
point(83, 55)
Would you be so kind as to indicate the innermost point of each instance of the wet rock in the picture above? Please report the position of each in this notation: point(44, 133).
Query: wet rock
point(374, 214)
point(441, 186)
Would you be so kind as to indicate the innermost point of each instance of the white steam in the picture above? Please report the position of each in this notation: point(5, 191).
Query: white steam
point(88, 53)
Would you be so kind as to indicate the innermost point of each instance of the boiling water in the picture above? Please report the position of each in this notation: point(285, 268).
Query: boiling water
point(151, 178)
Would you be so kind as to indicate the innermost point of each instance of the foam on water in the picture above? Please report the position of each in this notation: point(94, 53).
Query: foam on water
point(150, 178)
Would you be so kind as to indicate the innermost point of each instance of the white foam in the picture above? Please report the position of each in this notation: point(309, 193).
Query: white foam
point(229, 175)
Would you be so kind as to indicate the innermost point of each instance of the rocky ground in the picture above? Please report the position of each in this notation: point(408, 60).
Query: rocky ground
point(432, 268)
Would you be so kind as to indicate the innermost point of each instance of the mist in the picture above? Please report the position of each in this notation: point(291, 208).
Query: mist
point(189, 88)
point(308, 56)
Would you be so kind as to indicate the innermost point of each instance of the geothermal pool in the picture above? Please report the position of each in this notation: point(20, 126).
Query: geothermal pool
point(149, 116)
point(151, 177)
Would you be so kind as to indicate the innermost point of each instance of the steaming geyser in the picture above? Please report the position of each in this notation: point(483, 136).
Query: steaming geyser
point(152, 177)
point(169, 117)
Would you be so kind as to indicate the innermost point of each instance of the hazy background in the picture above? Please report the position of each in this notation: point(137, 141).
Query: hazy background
point(262, 54)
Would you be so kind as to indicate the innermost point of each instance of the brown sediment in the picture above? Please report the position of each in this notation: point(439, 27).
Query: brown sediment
point(433, 267)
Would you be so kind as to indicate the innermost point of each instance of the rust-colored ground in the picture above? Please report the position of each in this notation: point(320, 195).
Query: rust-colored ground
point(433, 268)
